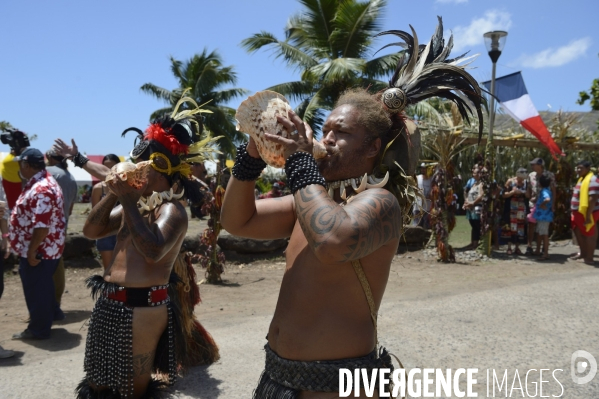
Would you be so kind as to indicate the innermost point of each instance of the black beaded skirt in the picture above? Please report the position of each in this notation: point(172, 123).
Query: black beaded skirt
point(284, 379)
point(109, 345)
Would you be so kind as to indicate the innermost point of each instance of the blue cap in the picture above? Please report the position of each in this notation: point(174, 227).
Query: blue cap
point(31, 155)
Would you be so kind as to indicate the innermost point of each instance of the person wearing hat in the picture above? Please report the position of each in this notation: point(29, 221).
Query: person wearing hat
point(37, 235)
point(538, 168)
point(58, 168)
point(275, 192)
point(515, 195)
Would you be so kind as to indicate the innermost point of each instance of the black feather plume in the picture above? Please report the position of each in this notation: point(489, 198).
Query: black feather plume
point(426, 72)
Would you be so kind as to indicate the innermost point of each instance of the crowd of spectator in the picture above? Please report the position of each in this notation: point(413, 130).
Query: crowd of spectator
point(527, 210)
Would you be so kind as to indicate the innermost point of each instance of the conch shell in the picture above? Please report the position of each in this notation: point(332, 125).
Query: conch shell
point(258, 115)
point(136, 174)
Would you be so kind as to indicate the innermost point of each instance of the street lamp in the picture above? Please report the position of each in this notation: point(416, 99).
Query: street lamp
point(494, 41)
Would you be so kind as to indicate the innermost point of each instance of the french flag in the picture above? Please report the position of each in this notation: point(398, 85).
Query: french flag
point(514, 99)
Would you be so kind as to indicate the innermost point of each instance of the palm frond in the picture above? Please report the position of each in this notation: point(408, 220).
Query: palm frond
point(176, 70)
point(296, 91)
point(355, 24)
point(339, 69)
point(224, 96)
point(156, 91)
point(292, 54)
point(160, 113)
point(424, 110)
point(381, 66)
point(205, 80)
point(312, 111)
point(318, 18)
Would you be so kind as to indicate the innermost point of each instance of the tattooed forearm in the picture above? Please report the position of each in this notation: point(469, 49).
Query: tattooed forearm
point(100, 214)
point(142, 364)
point(155, 240)
point(103, 218)
point(353, 231)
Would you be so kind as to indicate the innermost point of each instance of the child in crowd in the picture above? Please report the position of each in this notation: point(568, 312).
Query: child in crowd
point(543, 215)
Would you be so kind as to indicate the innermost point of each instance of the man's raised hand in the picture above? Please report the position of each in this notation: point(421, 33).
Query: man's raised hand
point(124, 191)
point(63, 149)
point(300, 135)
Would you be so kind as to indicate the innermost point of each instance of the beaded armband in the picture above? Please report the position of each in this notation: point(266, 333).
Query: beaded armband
point(247, 168)
point(302, 171)
point(79, 160)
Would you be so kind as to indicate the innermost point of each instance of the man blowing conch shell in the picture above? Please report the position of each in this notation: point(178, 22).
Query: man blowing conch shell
point(322, 312)
point(343, 220)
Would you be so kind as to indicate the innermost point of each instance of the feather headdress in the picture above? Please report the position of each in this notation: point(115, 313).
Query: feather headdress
point(178, 136)
point(425, 71)
point(177, 140)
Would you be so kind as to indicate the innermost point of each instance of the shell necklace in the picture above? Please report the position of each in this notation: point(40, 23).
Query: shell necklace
point(155, 199)
point(365, 182)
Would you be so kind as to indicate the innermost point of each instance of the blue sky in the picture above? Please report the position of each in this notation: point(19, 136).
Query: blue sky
point(72, 69)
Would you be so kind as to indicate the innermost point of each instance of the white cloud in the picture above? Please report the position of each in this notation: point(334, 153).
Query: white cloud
point(471, 35)
point(556, 57)
point(451, 1)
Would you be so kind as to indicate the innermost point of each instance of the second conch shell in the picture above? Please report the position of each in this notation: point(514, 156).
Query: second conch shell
point(258, 115)
point(136, 174)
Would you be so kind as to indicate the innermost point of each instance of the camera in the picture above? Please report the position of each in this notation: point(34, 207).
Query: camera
point(15, 139)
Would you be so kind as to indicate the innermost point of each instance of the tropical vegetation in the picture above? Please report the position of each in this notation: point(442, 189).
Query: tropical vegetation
point(592, 95)
point(329, 43)
point(206, 80)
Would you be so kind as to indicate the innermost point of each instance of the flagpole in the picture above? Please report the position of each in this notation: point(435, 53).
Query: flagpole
point(494, 41)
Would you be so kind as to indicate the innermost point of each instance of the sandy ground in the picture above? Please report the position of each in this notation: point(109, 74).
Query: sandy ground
point(508, 313)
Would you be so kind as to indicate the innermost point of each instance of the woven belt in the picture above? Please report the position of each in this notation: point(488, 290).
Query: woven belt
point(141, 297)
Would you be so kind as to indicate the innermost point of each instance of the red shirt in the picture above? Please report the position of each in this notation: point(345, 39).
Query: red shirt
point(40, 205)
point(593, 190)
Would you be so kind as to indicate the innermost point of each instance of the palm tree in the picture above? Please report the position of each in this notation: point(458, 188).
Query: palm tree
point(328, 43)
point(202, 78)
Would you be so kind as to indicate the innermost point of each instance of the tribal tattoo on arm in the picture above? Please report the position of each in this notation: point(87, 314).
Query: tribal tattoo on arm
point(371, 220)
point(104, 219)
point(156, 239)
point(142, 364)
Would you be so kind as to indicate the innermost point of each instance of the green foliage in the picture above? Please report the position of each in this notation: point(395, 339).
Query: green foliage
point(205, 78)
point(328, 43)
point(263, 185)
point(592, 95)
point(5, 125)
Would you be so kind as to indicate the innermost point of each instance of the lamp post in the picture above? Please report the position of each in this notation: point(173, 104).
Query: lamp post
point(494, 41)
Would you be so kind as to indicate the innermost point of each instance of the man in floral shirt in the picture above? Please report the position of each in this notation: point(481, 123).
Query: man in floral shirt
point(37, 234)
